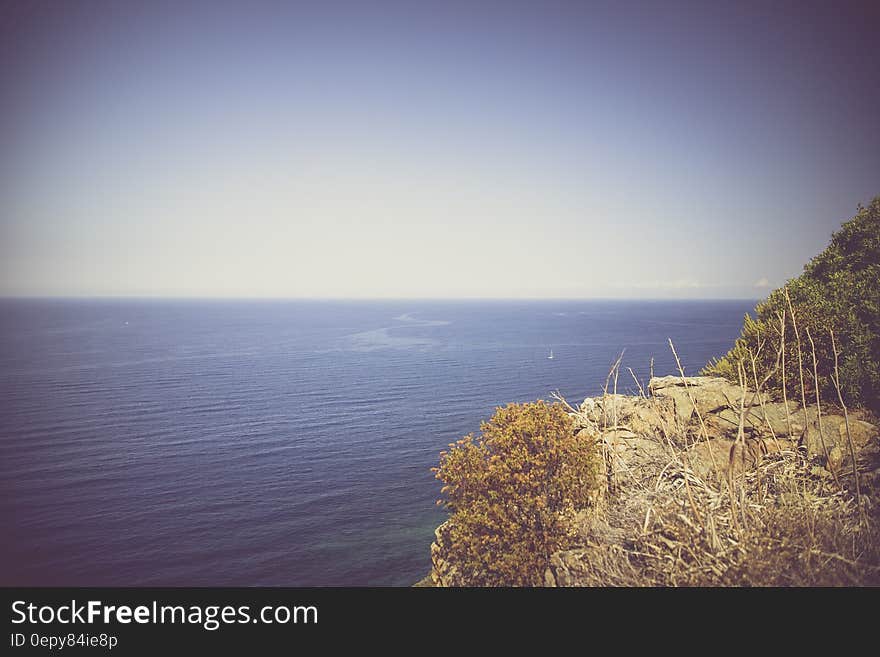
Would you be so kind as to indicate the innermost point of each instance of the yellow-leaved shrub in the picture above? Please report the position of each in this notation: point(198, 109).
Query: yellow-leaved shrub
point(513, 492)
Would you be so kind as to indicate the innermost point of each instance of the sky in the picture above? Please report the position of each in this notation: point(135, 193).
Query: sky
point(430, 149)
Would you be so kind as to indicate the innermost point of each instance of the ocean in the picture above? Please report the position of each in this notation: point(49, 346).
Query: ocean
point(279, 443)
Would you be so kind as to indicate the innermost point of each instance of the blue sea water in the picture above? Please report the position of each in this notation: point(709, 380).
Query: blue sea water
point(183, 443)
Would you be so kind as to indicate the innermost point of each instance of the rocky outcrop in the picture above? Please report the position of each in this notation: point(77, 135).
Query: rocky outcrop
point(721, 431)
point(703, 394)
point(443, 573)
point(830, 432)
point(690, 408)
point(713, 428)
point(635, 414)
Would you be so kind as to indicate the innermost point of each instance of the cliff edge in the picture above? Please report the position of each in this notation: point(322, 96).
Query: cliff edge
point(711, 483)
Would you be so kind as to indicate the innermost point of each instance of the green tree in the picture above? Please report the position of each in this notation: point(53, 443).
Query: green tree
point(514, 491)
point(840, 290)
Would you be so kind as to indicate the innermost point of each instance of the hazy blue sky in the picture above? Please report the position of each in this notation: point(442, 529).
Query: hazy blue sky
point(424, 149)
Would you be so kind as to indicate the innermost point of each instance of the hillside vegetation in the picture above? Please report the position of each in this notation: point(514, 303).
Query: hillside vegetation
point(838, 291)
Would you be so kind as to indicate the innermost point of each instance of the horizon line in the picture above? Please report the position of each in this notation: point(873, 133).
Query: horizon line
point(124, 297)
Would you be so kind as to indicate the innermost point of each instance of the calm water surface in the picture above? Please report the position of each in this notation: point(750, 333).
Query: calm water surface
point(278, 442)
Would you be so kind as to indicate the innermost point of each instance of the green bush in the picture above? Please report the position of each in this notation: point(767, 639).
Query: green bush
point(839, 290)
point(514, 491)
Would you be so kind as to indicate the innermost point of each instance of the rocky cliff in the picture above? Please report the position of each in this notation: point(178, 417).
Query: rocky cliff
point(710, 483)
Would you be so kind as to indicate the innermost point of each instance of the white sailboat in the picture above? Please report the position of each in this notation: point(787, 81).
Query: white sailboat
point(550, 357)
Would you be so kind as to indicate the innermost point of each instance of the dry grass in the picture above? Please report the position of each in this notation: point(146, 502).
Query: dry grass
point(784, 522)
point(852, 450)
point(788, 527)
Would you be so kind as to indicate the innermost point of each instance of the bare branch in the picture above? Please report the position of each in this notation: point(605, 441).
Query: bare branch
point(849, 440)
point(635, 378)
point(693, 401)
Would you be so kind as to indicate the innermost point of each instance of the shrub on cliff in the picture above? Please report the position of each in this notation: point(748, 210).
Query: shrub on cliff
point(839, 290)
point(514, 490)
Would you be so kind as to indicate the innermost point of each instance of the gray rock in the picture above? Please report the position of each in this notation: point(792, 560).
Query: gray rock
point(864, 436)
point(640, 415)
point(706, 394)
point(769, 420)
point(820, 438)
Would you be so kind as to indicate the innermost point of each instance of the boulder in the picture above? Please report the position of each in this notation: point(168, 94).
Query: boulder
point(638, 414)
point(725, 423)
point(705, 393)
point(822, 435)
point(728, 454)
point(864, 435)
point(704, 457)
point(757, 421)
point(779, 419)
point(631, 456)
